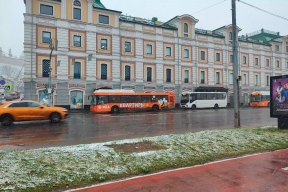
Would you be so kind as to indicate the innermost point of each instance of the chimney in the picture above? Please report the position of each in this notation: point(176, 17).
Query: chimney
point(154, 19)
point(10, 52)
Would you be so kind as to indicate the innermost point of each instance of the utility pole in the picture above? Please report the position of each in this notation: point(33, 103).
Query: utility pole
point(50, 89)
point(236, 78)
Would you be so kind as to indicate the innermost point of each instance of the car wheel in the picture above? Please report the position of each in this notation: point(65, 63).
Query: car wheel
point(193, 107)
point(6, 120)
point(155, 108)
point(216, 106)
point(115, 109)
point(55, 117)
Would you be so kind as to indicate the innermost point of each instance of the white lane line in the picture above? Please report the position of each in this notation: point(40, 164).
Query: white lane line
point(285, 168)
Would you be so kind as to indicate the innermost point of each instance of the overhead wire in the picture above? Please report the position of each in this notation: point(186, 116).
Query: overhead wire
point(260, 9)
point(208, 7)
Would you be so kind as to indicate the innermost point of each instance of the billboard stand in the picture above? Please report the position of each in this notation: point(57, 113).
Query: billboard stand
point(279, 100)
point(283, 123)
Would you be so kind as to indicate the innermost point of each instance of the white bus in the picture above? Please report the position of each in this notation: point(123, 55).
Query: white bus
point(194, 100)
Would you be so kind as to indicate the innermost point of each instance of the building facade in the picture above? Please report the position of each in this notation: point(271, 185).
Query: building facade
point(99, 47)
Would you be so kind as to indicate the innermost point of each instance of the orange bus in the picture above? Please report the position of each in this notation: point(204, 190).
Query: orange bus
point(260, 99)
point(114, 101)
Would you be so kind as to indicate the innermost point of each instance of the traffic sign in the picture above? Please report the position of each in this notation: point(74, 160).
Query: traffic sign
point(2, 82)
point(8, 88)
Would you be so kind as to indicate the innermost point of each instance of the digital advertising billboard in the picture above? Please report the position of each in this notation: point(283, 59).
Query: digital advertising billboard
point(279, 96)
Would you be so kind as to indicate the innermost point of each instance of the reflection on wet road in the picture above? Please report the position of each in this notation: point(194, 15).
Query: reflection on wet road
point(83, 128)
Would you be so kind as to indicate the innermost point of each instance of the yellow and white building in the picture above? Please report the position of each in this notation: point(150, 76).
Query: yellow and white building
point(135, 53)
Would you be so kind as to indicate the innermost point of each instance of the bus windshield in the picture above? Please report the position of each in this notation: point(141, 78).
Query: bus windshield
point(255, 98)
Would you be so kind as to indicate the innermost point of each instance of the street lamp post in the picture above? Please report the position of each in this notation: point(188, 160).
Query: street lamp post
point(50, 89)
point(236, 78)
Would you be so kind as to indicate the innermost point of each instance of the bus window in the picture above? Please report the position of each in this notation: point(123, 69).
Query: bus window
point(127, 99)
point(93, 100)
point(146, 99)
point(114, 99)
point(193, 97)
point(202, 96)
point(210, 96)
point(102, 99)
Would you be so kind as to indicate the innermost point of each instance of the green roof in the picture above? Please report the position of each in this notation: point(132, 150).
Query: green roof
point(98, 4)
point(146, 22)
point(264, 35)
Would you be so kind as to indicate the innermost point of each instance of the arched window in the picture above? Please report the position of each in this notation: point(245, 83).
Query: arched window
point(77, 10)
point(185, 30)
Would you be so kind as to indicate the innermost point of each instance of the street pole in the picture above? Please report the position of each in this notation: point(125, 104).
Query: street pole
point(49, 79)
point(235, 68)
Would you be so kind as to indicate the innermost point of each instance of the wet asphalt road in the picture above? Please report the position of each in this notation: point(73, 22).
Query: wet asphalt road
point(84, 128)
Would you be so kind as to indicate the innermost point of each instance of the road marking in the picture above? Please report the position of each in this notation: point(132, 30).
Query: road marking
point(285, 168)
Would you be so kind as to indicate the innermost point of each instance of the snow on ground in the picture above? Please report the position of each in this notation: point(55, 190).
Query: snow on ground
point(57, 165)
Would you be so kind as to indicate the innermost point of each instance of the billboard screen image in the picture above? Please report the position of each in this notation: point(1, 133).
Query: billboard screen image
point(279, 96)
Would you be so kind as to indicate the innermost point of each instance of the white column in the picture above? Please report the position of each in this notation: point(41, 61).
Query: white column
point(29, 6)
point(90, 11)
point(63, 9)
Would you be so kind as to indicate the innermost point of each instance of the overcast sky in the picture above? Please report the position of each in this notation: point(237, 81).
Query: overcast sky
point(248, 19)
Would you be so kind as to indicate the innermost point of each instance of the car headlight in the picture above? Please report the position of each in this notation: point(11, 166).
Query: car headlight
point(65, 110)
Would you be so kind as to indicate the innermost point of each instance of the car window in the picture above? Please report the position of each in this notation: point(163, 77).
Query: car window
point(33, 104)
point(20, 104)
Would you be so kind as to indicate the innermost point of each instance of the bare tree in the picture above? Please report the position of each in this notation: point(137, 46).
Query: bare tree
point(11, 71)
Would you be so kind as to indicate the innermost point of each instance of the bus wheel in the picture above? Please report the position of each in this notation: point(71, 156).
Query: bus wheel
point(155, 108)
point(193, 107)
point(115, 109)
point(216, 106)
point(268, 105)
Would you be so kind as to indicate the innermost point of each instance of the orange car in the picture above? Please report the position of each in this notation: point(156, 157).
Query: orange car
point(26, 110)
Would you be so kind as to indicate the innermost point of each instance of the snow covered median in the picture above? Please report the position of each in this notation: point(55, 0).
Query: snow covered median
point(55, 168)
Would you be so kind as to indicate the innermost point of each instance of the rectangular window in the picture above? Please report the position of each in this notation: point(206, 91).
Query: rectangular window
point(217, 77)
point(244, 60)
point(45, 67)
point(244, 79)
point(286, 47)
point(202, 54)
point(186, 76)
point(267, 63)
point(103, 19)
point(286, 65)
point(77, 70)
point(231, 58)
point(186, 53)
point(76, 41)
point(46, 37)
point(149, 74)
point(278, 64)
point(276, 47)
point(104, 71)
point(127, 73)
point(231, 79)
point(168, 51)
point(202, 76)
point(256, 61)
point(168, 75)
point(127, 46)
point(104, 44)
point(46, 9)
point(217, 56)
point(256, 79)
point(267, 80)
point(230, 36)
point(77, 13)
point(149, 49)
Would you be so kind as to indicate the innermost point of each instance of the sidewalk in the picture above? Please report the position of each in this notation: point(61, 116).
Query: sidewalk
point(266, 172)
